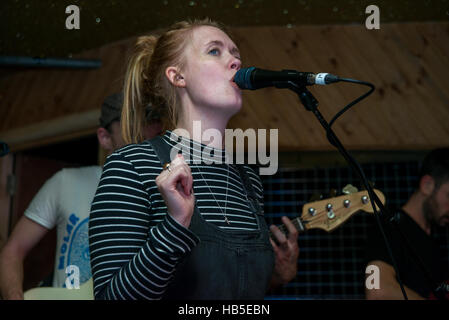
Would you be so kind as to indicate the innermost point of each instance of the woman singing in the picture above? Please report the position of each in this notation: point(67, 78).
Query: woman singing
point(175, 227)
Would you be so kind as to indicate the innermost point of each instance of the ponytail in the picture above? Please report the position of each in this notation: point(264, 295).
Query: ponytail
point(136, 90)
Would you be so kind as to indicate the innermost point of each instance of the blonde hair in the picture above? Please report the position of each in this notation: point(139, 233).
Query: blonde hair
point(145, 80)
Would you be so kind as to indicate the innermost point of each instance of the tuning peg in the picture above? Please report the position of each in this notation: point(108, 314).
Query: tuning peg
point(315, 197)
point(349, 189)
point(332, 193)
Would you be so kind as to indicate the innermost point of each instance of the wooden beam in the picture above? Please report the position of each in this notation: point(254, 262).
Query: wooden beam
point(51, 131)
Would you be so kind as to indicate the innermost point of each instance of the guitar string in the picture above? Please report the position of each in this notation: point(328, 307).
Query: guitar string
point(320, 217)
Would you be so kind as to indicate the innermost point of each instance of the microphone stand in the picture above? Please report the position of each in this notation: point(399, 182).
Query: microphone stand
point(311, 104)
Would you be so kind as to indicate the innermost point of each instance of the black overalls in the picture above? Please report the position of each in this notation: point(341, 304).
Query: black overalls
point(224, 265)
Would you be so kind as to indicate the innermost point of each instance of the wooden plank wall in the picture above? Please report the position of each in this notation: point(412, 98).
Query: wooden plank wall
point(408, 63)
point(43, 106)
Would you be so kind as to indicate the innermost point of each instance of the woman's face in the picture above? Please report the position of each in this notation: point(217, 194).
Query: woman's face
point(212, 59)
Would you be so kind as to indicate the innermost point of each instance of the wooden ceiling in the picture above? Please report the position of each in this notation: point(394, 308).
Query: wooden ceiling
point(408, 63)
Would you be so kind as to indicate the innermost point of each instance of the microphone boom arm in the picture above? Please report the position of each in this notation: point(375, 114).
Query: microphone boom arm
point(311, 104)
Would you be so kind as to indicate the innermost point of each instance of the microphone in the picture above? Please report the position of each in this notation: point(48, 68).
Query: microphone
point(254, 78)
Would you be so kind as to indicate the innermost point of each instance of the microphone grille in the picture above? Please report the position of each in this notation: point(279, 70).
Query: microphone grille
point(243, 78)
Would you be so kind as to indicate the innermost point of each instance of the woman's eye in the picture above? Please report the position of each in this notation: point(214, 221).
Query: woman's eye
point(214, 52)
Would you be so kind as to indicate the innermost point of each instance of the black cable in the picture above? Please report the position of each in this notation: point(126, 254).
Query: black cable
point(372, 197)
point(427, 275)
point(310, 103)
point(339, 113)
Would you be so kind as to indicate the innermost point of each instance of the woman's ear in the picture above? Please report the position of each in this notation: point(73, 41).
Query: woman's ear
point(426, 185)
point(175, 77)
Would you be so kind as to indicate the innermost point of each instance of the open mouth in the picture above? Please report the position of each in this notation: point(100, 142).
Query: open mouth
point(234, 84)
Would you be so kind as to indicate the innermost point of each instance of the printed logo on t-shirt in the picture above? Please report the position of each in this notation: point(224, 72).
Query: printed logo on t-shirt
point(75, 247)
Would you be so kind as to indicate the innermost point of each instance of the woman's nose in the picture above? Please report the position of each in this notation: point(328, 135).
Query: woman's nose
point(236, 64)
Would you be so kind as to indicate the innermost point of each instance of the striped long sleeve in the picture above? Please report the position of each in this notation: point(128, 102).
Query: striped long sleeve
point(130, 257)
point(134, 244)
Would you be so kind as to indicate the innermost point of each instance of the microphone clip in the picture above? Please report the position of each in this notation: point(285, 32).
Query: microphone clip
point(306, 97)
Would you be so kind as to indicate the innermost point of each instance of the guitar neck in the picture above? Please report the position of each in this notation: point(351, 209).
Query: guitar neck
point(299, 225)
point(330, 213)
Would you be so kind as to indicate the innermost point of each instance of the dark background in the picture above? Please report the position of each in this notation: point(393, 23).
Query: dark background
point(37, 28)
point(331, 265)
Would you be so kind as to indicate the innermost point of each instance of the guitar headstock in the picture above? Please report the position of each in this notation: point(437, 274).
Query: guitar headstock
point(328, 214)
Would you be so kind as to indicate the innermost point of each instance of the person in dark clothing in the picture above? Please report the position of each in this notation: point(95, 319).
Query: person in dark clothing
point(416, 254)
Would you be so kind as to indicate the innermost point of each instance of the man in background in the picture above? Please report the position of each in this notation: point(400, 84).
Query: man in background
point(64, 202)
point(426, 209)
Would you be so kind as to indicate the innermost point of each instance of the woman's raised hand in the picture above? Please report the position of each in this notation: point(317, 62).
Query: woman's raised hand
point(175, 183)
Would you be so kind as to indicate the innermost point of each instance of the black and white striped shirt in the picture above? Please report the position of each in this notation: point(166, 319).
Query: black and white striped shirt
point(134, 244)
